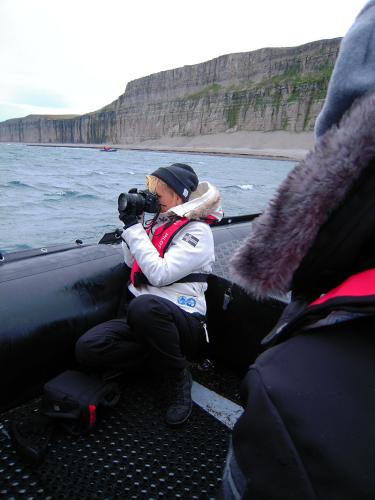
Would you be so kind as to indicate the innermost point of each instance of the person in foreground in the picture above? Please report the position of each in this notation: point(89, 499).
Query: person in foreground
point(170, 260)
point(307, 431)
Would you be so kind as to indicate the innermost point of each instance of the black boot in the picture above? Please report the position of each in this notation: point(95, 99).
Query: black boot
point(180, 408)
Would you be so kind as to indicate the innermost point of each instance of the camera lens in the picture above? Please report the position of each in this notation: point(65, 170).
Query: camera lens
point(137, 203)
point(122, 202)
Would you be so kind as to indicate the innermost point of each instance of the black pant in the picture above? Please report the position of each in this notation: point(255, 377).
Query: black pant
point(155, 334)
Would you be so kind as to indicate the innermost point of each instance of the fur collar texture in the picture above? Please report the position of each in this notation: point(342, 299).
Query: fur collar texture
point(281, 237)
point(204, 201)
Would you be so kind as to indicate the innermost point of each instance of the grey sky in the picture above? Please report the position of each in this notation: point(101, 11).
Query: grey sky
point(75, 56)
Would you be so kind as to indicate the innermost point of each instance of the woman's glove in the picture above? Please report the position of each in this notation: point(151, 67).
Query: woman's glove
point(128, 220)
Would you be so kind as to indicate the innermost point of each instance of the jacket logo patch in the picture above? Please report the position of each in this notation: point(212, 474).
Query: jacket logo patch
point(192, 240)
point(186, 301)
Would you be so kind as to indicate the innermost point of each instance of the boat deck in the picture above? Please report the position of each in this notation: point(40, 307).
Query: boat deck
point(130, 453)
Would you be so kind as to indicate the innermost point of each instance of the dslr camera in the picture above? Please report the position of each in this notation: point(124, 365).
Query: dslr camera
point(136, 202)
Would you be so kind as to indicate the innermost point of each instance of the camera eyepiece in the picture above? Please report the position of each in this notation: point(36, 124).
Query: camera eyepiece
point(138, 202)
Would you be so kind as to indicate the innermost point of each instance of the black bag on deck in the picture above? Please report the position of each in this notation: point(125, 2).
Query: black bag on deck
point(71, 401)
point(74, 397)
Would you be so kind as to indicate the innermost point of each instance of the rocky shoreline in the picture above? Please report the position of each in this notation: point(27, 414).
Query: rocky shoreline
point(272, 145)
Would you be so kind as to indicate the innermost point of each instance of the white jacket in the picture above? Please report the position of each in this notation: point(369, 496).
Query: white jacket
point(184, 256)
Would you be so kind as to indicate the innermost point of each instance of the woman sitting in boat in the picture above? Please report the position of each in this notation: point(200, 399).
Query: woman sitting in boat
point(170, 260)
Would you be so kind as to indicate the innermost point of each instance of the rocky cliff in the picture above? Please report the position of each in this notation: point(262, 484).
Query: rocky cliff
point(264, 90)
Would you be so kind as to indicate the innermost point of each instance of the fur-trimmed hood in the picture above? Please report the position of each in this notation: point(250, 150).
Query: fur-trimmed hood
point(204, 201)
point(284, 234)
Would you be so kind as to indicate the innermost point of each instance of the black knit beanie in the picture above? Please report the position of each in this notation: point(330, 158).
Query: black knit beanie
point(179, 177)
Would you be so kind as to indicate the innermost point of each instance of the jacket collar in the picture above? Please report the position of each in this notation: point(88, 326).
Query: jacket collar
point(205, 201)
point(355, 294)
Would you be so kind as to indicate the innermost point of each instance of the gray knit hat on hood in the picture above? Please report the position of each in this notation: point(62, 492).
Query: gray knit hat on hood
point(354, 72)
point(320, 223)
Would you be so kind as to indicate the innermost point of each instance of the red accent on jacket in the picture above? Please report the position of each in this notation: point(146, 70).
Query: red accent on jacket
point(160, 239)
point(358, 285)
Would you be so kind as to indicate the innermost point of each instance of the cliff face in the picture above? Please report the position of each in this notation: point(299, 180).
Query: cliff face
point(264, 90)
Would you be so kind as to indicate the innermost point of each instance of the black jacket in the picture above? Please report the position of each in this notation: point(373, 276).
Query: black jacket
point(308, 428)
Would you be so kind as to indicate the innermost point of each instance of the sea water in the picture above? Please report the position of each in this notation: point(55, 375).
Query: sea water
point(55, 195)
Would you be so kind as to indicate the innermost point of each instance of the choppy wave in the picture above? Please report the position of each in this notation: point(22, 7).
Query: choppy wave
point(243, 187)
point(17, 184)
point(22, 246)
point(87, 197)
point(101, 172)
point(70, 194)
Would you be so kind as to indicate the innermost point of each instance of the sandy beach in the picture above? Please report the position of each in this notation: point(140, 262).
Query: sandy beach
point(274, 145)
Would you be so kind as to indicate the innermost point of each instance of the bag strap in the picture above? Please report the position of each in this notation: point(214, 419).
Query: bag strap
point(140, 279)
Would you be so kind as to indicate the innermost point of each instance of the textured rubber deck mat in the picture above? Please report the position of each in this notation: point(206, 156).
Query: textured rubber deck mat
point(131, 453)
